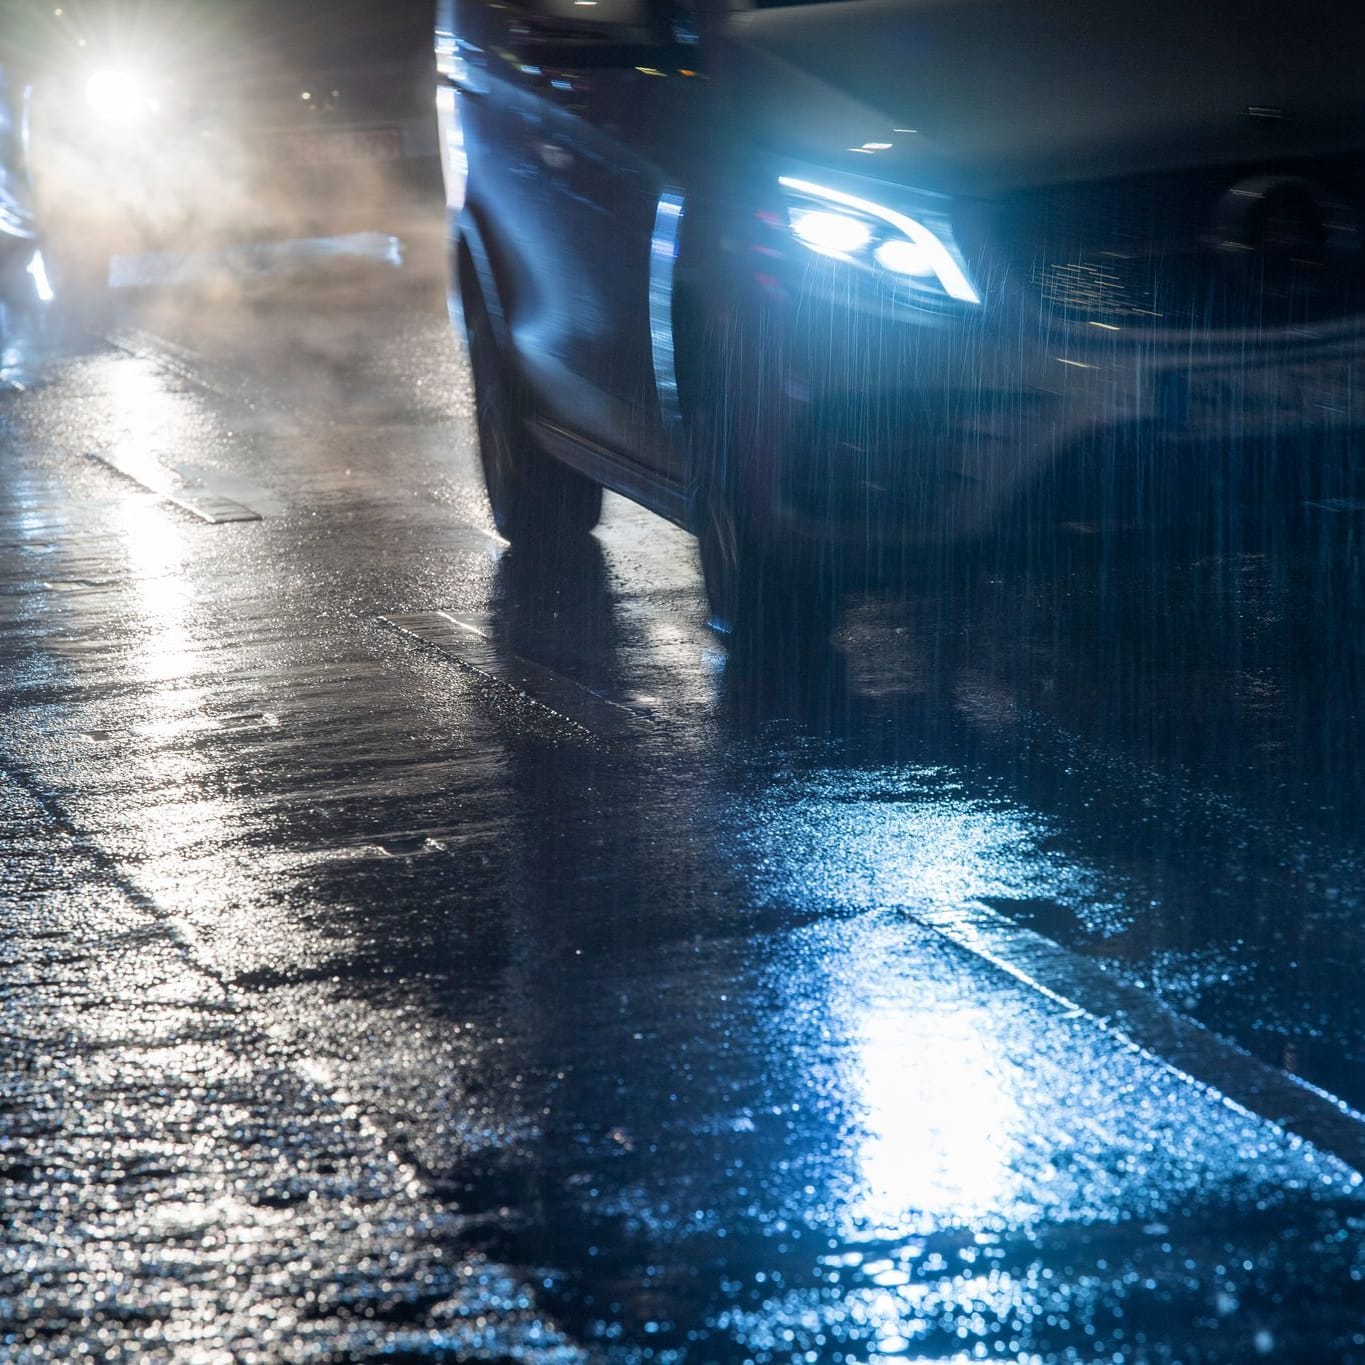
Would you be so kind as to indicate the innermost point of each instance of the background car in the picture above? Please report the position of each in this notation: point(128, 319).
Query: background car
point(821, 282)
point(180, 122)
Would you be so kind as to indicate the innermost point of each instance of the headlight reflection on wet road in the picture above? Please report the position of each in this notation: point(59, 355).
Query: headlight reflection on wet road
point(962, 1134)
point(157, 554)
point(932, 1147)
point(909, 836)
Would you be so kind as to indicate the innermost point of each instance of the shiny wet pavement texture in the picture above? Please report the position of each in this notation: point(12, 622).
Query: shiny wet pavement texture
point(413, 950)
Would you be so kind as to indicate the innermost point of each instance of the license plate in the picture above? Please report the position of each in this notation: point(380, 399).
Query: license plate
point(1296, 395)
point(331, 148)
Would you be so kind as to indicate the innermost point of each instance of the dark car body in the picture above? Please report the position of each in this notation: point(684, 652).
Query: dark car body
point(172, 123)
point(878, 273)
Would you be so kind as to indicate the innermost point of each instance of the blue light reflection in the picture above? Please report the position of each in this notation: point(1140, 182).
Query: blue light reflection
point(984, 1167)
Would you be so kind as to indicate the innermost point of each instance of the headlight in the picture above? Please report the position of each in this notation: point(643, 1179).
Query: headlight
point(918, 252)
point(42, 285)
point(119, 96)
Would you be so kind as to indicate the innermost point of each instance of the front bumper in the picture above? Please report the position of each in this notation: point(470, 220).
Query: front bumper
point(940, 428)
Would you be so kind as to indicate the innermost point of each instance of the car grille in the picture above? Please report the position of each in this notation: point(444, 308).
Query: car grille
point(1237, 249)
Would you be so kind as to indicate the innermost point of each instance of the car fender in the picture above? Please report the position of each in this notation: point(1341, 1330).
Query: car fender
point(471, 262)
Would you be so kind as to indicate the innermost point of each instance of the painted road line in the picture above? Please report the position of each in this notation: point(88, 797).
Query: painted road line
point(251, 261)
point(1134, 1015)
point(183, 362)
point(199, 501)
point(472, 643)
point(1117, 1008)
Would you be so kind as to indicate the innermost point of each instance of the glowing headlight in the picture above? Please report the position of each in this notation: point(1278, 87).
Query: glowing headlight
point(119, 96)
point(831, 234)
point(918, 252)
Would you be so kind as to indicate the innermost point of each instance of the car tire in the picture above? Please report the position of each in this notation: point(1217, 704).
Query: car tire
point(534, 498)
point(760, 591)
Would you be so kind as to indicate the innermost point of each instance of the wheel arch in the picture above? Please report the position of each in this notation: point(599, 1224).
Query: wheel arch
point(473, 274)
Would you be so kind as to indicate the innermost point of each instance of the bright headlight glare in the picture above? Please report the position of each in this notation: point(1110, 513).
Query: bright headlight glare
point(834, 234)
point(118, 96)
point(908, 248)
point(903, 258)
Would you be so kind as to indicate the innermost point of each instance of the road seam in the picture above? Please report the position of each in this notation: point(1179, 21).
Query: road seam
point(1203, 1058)
point(194, 498)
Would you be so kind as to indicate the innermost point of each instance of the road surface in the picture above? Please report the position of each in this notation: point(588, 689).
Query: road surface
point(415, 950)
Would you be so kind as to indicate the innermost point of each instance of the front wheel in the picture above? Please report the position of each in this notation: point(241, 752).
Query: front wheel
point(761, 592)
point(533, 497)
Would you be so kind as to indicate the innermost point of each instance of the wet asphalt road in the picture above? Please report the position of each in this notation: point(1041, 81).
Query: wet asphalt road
point(415, 951)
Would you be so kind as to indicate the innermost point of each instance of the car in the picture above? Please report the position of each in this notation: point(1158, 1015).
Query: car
point(153, 124)
point(835, 281)
point(17, 234)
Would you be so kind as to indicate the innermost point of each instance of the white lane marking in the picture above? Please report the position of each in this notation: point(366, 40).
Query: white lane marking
point(1077, 984)
point(251, 260)
point(1199, 1056)
point(199, 501)
point(181, 361)
point(470, 644)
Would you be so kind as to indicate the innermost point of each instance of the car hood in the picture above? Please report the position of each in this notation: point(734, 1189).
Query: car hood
point(984, 96)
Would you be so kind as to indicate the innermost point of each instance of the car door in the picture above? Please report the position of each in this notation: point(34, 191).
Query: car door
point(619, 150)
point(578, 153)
